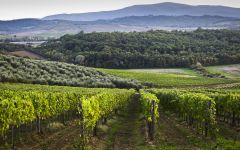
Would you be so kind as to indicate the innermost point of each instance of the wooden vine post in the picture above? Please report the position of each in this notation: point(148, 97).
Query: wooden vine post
point(95, 130)
point(13, 143)
point(206, 122)
point(63, 117)
point(152, 124)
point(12, 128)
point(233, 119)
point(104, 120)
point(39, 131)
point(81, 119)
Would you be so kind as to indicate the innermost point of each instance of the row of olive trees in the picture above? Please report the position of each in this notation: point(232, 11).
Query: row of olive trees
point(14, 69)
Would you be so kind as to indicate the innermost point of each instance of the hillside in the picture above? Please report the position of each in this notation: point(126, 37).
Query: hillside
point(146, 77)
point(178, 21)
point(168, 79)
point(152, 9)
point(20, 70)
point(57, 28)
point(9, 47)
point(152, 49)
point(37, 27)
point(20, 50)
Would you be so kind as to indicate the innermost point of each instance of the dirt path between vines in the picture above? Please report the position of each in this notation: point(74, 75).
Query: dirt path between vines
point(56, 141)
point(128, 133)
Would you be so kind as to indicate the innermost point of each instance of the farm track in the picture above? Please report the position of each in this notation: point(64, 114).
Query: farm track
point(127, 133)
point(129, 129)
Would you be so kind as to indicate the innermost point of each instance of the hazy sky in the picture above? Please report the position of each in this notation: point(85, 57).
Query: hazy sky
point(13, 9)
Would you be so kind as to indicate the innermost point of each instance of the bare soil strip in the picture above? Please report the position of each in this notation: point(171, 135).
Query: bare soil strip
point(57, 140)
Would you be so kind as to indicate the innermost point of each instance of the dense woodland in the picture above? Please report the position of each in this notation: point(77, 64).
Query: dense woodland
point(146, 49)
point(14, 69)
point(9, 47)
point(152, 49)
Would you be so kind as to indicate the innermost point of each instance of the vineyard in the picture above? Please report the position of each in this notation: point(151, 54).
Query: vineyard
point(22, 108)
point(162, 76)
point(32, 109)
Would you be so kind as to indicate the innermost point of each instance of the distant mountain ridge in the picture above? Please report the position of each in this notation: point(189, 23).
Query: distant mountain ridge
point(177, 21)
point(162, 16)
point(167, 9)
point(57, 28)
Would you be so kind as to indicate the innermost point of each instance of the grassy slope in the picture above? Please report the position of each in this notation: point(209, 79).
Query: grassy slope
point(186, 77)
point(171, 70)
point(220, 69)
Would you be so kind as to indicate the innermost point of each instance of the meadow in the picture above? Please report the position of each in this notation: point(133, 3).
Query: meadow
point(169, 78)
point(230, 71)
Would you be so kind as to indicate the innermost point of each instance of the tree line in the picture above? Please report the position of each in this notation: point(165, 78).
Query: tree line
point(146, 49)
point(152, 49)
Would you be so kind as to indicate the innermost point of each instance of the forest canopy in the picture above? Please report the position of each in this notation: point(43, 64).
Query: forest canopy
point(152, 49)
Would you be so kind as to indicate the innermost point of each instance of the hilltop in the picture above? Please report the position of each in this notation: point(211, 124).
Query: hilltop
point(151, 9)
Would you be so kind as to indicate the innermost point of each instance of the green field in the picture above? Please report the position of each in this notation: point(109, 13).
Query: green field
point(230, 71)
point(168, 77)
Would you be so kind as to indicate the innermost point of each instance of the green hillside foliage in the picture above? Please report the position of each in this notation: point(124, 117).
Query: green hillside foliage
point(150, 49)
point(9, 47)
